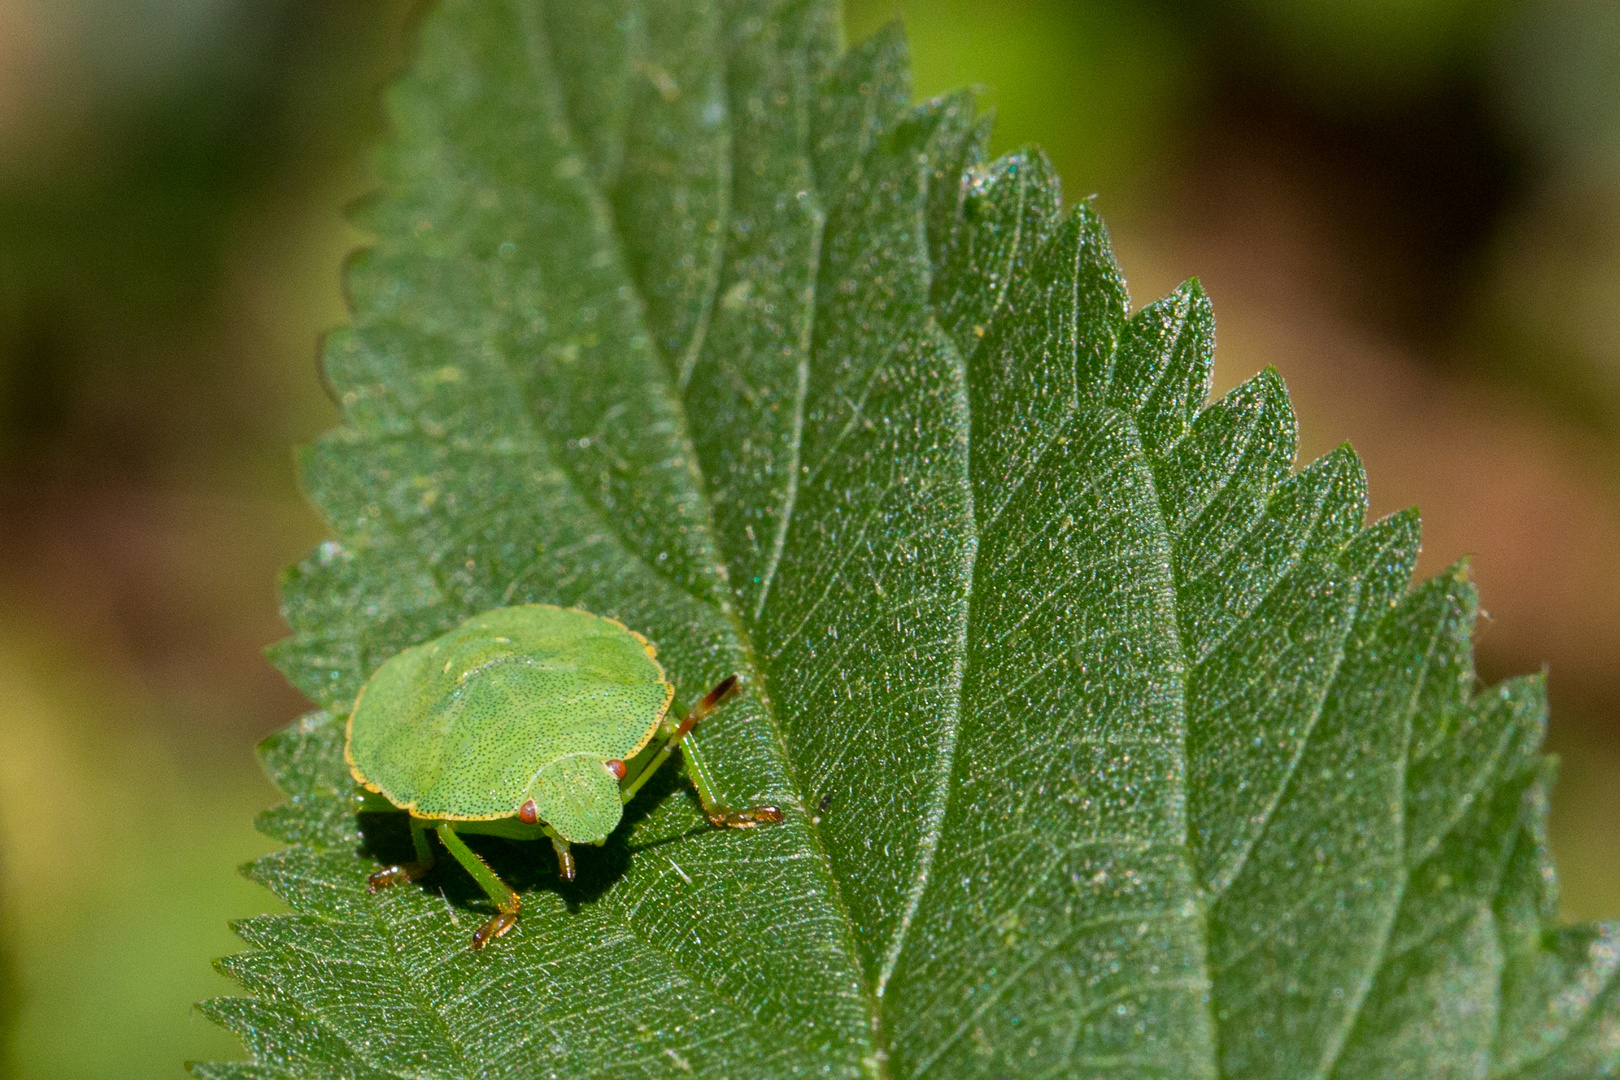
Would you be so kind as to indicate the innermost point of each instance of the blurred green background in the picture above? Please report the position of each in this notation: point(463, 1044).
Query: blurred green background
point(1410, 207)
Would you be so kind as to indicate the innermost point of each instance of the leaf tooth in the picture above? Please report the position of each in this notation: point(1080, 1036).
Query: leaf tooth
point(1464, 871)
point(1560, 1004)
point(1052, 357)
point(329, 883)
point(1307, 517)
point(1497, 736)
point(388, 1022)
point(865, 95)
point(319, 821)
point(1253, 703)
point(338, 940)
point(279, 1034)
point(1164, 363)
point(1265, 628)
point(238, 1070)
point(1381, 558)
point(1334, 848)
point(1434, 1005)
point(301, 759)
point(1440, 615)
point(1461, 840)
point(1431, 1010)
point(1217, 480)
point(1336, 503)
point(957, 141)
point(1008, 210)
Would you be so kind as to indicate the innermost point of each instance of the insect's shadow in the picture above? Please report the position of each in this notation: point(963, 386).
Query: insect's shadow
point(529, 866)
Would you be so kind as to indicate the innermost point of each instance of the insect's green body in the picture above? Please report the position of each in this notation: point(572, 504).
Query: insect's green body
point(522, 722)
point(515, 704)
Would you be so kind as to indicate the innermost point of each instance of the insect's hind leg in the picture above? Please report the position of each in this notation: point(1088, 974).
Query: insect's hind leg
point(505, 900)
point(400, 873)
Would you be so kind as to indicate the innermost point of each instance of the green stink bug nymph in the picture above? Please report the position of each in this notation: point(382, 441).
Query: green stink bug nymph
point(523, 722)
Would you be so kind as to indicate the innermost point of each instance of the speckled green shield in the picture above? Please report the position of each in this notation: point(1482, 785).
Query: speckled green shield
point(515, 704)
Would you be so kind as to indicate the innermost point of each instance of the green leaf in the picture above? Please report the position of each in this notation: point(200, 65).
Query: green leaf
point(1110, 744)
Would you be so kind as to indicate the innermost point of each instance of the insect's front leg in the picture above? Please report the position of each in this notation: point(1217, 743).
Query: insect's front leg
point(719, 814)
point(505, 900)
point(400, 873)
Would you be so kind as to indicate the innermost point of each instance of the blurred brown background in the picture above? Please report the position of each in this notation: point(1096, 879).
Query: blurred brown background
point(1410, 207)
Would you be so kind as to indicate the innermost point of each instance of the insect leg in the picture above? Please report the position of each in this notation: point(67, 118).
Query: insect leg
point(400, 873)
point(674, 734)
point(719, 814)
point(505, 900)
point(565, 856)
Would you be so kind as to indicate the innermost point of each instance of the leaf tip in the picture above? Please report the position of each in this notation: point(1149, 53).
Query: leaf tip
point(1407, 523)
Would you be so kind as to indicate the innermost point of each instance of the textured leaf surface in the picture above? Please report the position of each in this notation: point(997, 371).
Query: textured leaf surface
point(1111, 745)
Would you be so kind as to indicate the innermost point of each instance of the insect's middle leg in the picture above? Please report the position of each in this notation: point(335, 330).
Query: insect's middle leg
point(565, 854)
point(400, 873)
point(505, 900)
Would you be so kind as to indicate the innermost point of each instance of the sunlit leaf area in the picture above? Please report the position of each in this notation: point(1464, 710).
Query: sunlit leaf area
point(1409, 213)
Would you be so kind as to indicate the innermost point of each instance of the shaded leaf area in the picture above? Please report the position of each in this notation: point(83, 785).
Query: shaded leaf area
point(1109, 744)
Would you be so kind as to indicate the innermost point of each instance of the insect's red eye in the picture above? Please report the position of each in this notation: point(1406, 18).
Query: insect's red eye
point(616, 767)
point(529, 813)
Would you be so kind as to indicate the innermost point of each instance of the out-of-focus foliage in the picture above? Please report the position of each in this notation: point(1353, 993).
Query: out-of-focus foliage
point(1471, 146)
point(1107, 89)
point(1349, 55)
point(1110, 746)
point(1549, 315)
point(1560, 80)
point(158, 138)
point(114, 830)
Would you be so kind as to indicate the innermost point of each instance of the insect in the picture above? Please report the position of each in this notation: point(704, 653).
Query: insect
point(523, 722)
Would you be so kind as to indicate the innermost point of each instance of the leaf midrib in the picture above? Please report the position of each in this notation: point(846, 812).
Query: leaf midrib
point(541, 57)
point(721, 602)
